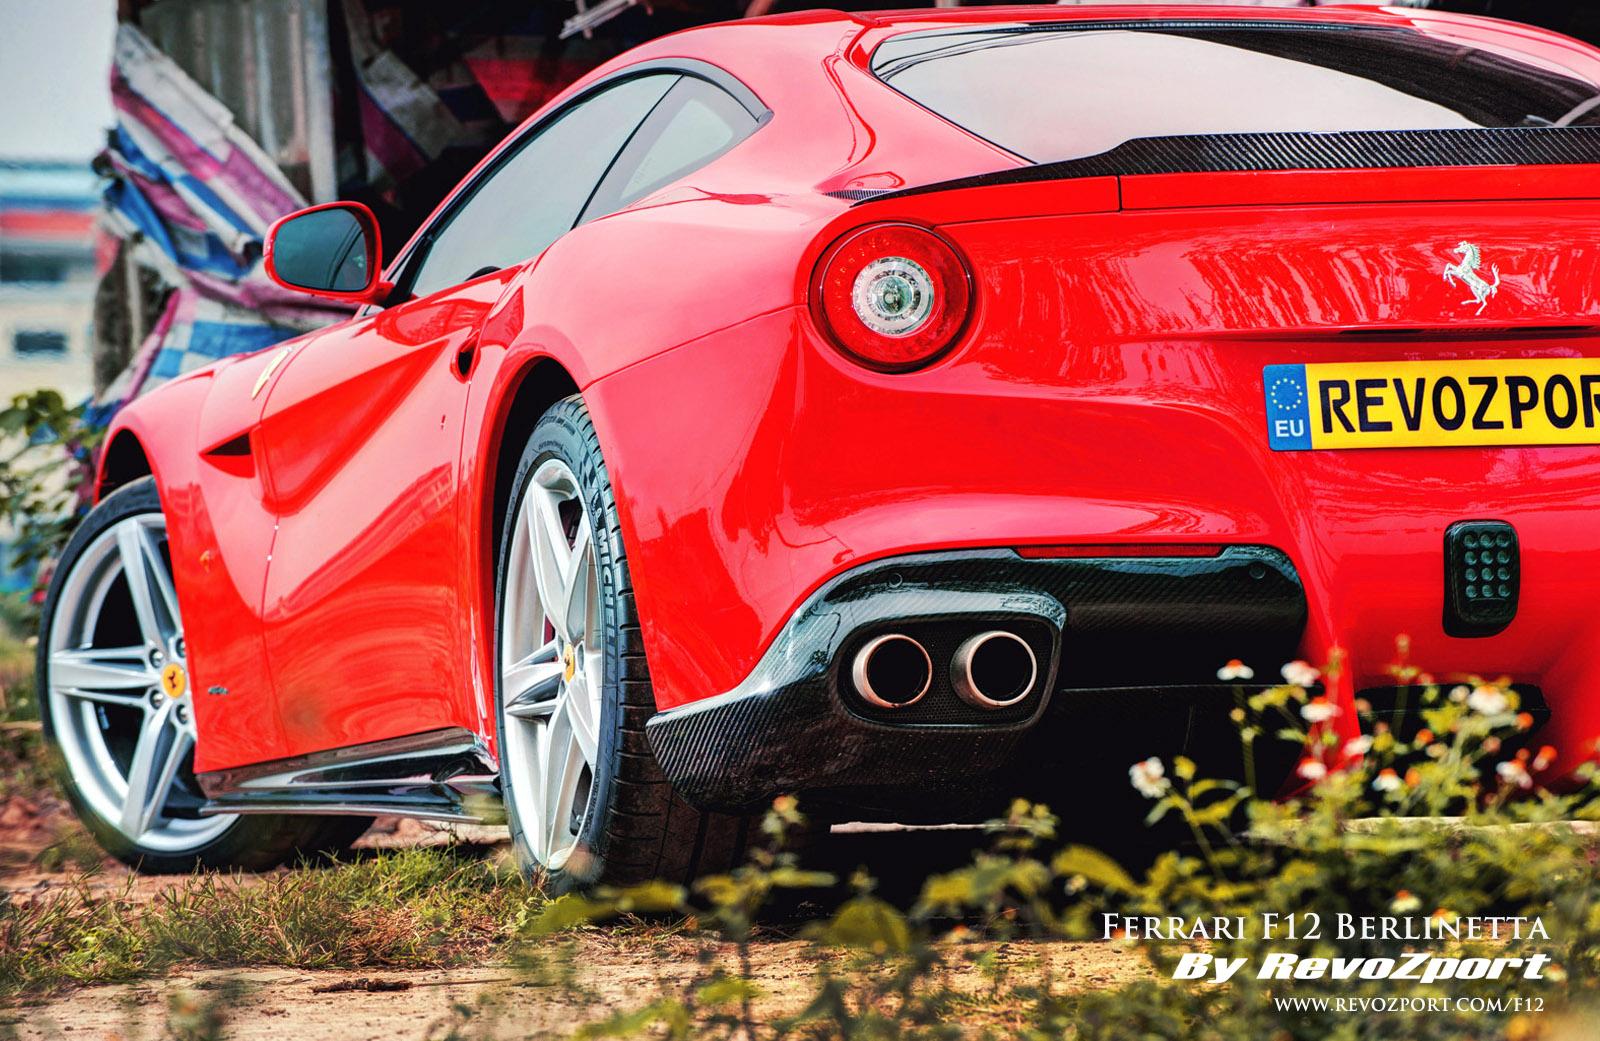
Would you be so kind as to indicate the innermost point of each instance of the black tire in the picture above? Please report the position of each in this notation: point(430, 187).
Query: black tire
point(635, 828)
point(253, 842)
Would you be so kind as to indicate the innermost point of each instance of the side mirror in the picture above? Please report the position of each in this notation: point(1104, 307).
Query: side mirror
point(332, 250)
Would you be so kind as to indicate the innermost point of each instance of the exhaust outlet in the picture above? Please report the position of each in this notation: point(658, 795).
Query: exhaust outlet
point(892, 671)
point(994, 669)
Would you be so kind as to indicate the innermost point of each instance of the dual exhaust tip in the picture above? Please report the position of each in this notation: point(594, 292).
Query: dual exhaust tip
point(991, 670)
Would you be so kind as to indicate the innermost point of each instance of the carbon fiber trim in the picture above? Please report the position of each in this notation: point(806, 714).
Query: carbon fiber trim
point(1350, 150)
point(857, 194)
point(794, 725)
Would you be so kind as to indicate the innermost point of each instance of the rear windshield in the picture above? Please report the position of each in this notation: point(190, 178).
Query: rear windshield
point(1058, 92)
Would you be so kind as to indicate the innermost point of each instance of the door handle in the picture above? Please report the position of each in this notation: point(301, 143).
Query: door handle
point(466, 355)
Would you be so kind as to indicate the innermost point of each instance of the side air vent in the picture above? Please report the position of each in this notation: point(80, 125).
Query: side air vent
point(233, 456)
point(233, 447)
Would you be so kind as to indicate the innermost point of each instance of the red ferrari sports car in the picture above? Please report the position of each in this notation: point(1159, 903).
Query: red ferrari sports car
point(868, 407)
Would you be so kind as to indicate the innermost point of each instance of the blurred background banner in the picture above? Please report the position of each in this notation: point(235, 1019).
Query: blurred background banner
point(189, 199)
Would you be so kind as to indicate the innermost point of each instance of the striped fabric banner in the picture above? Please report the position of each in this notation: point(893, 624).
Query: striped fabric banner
point(196, 196)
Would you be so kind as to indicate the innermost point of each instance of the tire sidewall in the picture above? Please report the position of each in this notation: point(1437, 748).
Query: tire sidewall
point(565, 433)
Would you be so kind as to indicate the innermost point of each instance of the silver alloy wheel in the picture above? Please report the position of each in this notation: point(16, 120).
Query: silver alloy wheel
point(552, 664)
point(120, 704)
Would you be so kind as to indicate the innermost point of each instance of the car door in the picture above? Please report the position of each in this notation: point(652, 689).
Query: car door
point(365, 627)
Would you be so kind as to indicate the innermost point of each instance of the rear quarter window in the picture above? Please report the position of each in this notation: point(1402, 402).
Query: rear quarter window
point(1056, 92)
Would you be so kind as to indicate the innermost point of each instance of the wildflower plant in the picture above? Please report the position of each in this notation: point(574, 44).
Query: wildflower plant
point(1425, 825)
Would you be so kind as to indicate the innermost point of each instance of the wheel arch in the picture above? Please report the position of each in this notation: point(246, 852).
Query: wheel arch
point(123, 461)
point(521, 393)
point(526, 396)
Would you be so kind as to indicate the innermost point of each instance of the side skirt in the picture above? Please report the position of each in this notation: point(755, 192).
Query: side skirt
point(443, 775)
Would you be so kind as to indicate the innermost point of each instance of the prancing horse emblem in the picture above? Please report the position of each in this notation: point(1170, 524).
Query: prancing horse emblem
point(1466, 272)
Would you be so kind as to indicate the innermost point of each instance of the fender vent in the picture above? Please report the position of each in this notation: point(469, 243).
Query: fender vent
point(233, 447)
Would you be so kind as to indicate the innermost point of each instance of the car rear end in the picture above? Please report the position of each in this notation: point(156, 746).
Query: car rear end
point(1282, 341)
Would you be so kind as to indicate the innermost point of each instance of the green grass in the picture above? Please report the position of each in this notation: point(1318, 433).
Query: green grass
point(26, 770)
point(23, 769)
point(420, 908)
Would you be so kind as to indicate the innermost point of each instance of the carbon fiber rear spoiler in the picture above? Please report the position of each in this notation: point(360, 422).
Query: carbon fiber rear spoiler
point(1348, 150)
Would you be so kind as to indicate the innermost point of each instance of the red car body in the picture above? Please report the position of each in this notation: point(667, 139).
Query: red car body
point(333, 502)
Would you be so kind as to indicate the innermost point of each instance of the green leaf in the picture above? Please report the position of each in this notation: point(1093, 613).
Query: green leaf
point(867, 923)
point(667, 1012)
point(1094, 866)
point(949, 892)
point(1162, 808)
point(651, 898)
point(729, 990)
point(794, 878)
point(567, 912)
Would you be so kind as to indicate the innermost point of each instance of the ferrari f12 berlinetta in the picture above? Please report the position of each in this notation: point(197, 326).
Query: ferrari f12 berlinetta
point(868, 407)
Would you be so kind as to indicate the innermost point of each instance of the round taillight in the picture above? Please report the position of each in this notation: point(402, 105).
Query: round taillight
point(893, 296)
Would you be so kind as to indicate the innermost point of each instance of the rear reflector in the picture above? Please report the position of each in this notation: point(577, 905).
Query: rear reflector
point(1482, 577)
point(1141, 550)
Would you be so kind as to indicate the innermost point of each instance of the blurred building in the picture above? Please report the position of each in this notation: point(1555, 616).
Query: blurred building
point(47, 276)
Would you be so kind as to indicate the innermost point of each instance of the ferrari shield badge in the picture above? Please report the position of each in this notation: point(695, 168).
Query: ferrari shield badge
point(174, 681)
point(1465, 271)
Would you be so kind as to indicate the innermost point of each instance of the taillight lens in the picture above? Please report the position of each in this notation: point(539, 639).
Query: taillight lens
point(893, 296)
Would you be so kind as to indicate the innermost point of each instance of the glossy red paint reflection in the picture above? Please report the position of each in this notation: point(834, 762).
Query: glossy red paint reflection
point(1105, 392)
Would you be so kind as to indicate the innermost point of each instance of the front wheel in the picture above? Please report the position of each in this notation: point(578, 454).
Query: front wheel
point(118, 705)
point(585, 798)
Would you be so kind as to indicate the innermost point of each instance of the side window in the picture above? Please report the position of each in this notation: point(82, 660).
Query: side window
point(537, 192)
point(695, 123)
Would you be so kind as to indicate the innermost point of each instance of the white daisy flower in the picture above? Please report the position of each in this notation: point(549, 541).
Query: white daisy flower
point(1387, 781)
point(1318, 710)
point(1301, 674)
point(1488, 701)
point(1235, 670)
point(1358, 746)
point(1150, 778)
point(1514, 773)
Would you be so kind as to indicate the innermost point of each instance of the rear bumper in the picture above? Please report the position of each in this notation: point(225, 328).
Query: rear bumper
point(1144, 631)
point(808, 467)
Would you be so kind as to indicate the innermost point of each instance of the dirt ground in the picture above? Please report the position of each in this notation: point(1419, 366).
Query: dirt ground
point(370, 1006)
point(367, 1005)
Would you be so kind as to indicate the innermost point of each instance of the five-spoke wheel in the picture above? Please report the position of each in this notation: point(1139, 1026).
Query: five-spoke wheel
point(552, 663)
point(584, 796)
point(118, 689)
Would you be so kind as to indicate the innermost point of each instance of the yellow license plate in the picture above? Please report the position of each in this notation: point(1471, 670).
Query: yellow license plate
point(1546, 401)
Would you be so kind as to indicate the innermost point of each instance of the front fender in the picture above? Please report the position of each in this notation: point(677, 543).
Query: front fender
point(195, 433)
